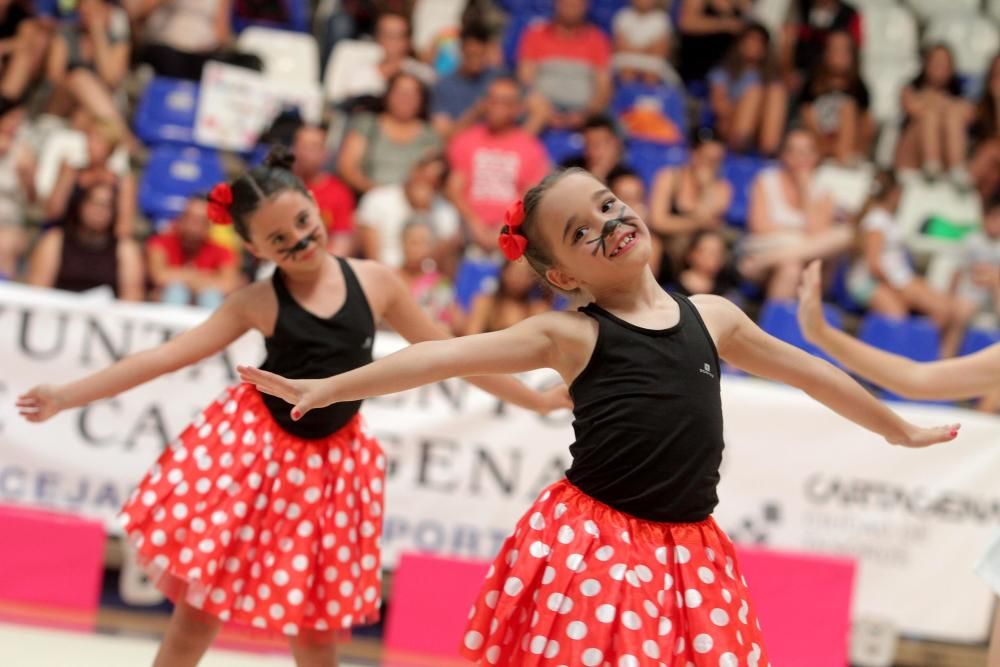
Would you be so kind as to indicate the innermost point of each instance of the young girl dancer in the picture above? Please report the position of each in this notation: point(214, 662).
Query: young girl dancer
point(620, 563)
point(966, 377)
point(249, 516)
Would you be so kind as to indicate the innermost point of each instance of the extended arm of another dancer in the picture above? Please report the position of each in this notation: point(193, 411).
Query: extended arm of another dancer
point(971, 376)
point(565, 341)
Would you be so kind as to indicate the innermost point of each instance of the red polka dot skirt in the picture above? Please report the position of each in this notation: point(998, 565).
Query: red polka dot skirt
point(252, 524)
point(581, 584)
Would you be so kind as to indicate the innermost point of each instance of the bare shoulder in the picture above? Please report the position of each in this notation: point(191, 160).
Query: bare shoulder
point(720, 315)
point(255, 304)
point(379, 282)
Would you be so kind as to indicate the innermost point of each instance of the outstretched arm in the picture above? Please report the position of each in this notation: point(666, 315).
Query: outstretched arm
point(743, 344)
point(223, 327)
point(953, 379)
point(523, 347)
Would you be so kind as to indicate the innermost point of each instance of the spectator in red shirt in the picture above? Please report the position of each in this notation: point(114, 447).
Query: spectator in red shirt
point(333, 197)
point(493, 163)
point(568, 62)
point(187, 267)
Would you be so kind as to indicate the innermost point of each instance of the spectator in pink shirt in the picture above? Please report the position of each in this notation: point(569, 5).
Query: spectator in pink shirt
point(493, 163)
point(568, 62)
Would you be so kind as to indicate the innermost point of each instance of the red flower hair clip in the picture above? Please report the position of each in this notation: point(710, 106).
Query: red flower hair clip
point(512, 242)
point(219, 201)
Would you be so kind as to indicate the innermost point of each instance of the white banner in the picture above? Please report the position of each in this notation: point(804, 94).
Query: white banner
point(463, 467)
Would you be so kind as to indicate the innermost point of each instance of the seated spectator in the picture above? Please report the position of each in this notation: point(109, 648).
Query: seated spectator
point(748, 99)
point(517, 297)
point(706, 267)
point(392, 33)
point(935, 134)
point(603, 149)
point(689, 198)
point(977, 279)
point(835, 103)
point(186, 267)
point(380, 149)
point(493, 163)
point(985, 166)
point(180, 36)
point(791, 220)
point(83, 252)
point(428, 285)
point(17, 189)
point(103, 139)
point(882, 277)
point(809, 24)
point(567, 61)
point(642, 43)
point(334, 199)
point(24, 43)
point(708, 29)
point(457, 98)
point(88, 62)
point(384, 212)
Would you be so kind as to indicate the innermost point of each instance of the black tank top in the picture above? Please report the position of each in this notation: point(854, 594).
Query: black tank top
point(305, 346)
point(648, 418)
point(83, 267)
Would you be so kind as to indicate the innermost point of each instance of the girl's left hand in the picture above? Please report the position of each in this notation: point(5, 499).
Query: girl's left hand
point(556, 398)
point(917, 437)
point(304, 395)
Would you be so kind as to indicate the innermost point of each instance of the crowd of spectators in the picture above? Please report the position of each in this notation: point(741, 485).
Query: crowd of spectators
point(433, 144)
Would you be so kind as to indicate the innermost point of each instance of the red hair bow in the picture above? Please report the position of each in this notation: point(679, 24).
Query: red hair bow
point(512, 242)
point(219, 201)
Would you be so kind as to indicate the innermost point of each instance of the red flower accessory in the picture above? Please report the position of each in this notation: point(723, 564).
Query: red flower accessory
point(512, 242)
point(219, 201)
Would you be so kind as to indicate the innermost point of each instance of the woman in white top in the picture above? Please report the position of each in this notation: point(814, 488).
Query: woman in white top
point(883, 280)
point(791, 220)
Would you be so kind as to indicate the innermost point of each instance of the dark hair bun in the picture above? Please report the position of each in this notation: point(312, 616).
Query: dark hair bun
point(279, 157)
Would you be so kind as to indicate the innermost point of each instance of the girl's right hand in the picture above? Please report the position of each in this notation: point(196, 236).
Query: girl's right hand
point(40, 403)
point(810, 312)
point(304, 395)
point(916, 437)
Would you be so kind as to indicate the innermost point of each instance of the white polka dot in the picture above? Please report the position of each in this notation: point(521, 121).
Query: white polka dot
point(679, 648)
point(340, 519)
point(650, 609)
point(576, 630)
point(180, 511)
point(719, 617)
point(560, 604)
point(493, 654)
point(174, 476)
point(198, 524)
point(300, 563)
point(296, 476)
point(539, 549)
point(592, 657)
point(305, 529)
point(706, 575)
point(566, 535)
point(590, 587)
point(206, 546)
point(368, 562)
point(591, 528)
point(668, 582)
point(346, 588)
point(631, 620)
point(604, 553)
point(473, 640)
point(312, 494)
point(158, 538)
point(632, 578)
point(628, 661)
point(702, 643)
point(605, 613)
point(575, 563)
point(626, 538)
point(218, 596)
point(149, 498)
point(644, 573)
point(681, 554)
point(513, 586)
point(277, 611)
point(263, 591)
point(549, 575)
point(491, 599)
point(726, 595)
point(617, 571)
point(344, 554)
point(330, 573)
point(728, 660)
point(294, 511)
point(651, 649)
point(692, 598)
point(511, 557)
point(665, 626)
point(281, 577)
point(537, 521)
point(744, 611)
point(219, 517)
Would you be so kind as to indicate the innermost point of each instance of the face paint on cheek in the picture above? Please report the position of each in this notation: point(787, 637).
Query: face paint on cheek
point(302, 245)
point(609, 228)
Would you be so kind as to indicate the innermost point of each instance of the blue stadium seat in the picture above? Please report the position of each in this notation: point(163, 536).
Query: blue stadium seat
point(778, 318)
point(669, 100)
point(474, 277)
point(561, 144)
point(166, 112)
point(740, 171)
point(648, 158)
point(512, 35)
point(174, 174)
point(914, 337)
point(602, 12)
point(298, 12)
point(978, 339)
point(838, 288)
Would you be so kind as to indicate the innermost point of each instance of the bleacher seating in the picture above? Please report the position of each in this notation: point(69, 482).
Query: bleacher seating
point(740, 171)
point(287, 56)
point(474, 277)
point(778, 318)
point(979, 339)
point(173, 175)
point(914, 337)
point(166, 112)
